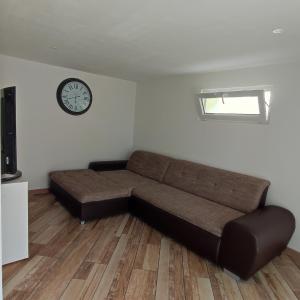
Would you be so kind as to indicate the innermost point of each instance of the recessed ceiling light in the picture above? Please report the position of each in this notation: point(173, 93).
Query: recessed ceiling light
point(278, 31)
point(53, 47)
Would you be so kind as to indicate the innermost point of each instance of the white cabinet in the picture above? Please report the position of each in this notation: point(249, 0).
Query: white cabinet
point(14, 213)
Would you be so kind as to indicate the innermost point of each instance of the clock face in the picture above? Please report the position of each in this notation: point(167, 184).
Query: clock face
point(74, 96)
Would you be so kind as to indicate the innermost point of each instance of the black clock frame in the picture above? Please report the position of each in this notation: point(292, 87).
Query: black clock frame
point(59, 98)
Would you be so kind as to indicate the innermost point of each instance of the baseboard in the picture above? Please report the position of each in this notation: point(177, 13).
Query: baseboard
point(38, 192)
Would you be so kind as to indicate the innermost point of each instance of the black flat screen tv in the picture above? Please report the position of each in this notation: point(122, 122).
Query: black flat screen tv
point(9, 169)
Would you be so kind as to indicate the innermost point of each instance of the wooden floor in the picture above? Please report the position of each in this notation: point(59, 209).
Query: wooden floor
point(122, 258)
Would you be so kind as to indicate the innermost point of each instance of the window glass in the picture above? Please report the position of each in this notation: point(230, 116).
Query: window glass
point(231, 105)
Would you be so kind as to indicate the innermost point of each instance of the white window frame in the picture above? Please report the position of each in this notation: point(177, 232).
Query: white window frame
point(261, 118)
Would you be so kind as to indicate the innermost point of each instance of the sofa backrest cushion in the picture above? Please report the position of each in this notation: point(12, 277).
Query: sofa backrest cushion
point(149, 164)
point(234, 190)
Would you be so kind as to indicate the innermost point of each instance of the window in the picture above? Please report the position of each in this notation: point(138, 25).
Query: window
point(245, 105)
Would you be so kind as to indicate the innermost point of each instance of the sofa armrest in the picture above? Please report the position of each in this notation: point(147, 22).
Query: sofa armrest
point(108, 165)
point(251, 241)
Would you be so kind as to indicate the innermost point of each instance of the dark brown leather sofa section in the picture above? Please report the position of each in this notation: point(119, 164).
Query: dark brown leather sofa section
point(245, 244)
point(249, 242)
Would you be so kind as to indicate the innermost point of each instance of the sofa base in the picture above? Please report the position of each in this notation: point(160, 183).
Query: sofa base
point(196, 239)
point(90, 210)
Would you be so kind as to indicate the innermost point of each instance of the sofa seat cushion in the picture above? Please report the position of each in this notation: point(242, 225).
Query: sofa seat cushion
point(126, 178)
point(198, 211)
point(238, 191)
point(148, 164)
point(88, 186)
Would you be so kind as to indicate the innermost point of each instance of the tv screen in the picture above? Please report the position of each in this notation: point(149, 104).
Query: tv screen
point(8, 134)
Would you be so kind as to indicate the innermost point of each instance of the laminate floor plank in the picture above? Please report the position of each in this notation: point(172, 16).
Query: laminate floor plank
point(121, 280)
point(190, 292)
point(217, 288)
point(205, 289)
point(162, 289)
point(289, 272)
point(194, 268)
point(109, 274)
point(83, 271)
point(122, 225)
point(151, 257)
point(140, 257)
point(176, 278)
point(17, 295)
point(92, 282)
point(105, 241)
point(141, 285)
point(73, 290)
point(128, 224)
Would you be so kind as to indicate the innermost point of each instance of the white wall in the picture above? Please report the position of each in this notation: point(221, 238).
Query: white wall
point(167, 122)
point(50, 139)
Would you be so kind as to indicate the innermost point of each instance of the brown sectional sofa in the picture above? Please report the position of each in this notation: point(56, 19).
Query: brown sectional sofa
point(218, 214)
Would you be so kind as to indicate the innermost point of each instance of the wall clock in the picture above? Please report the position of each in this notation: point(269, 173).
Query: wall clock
point(74, 96)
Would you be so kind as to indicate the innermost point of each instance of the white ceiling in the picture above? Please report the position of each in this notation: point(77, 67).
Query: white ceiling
point(136, 39)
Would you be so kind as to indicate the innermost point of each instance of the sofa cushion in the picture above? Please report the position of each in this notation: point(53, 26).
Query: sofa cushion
point(234, 190)
point(198, 211)
point(148, 164)
point(126, 178)
point(87, 185)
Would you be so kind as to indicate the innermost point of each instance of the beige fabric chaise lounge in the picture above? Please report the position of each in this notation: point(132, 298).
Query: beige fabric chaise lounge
point(218, 214)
